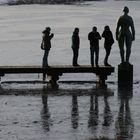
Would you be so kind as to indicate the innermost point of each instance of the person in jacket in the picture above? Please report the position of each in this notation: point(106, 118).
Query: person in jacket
point(75, 46)
point(94, 38)
point(108, 42)
point(46, 45)
point(124, 34)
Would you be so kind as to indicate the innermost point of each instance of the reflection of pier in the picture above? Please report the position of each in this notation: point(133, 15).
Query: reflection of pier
point(55, 71)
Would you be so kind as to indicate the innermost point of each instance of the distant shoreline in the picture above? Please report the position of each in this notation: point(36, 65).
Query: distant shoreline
point(28, 2)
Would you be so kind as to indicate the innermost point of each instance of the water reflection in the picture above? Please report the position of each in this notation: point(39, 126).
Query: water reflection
point(74, 112)
point(124, 123)
point(93, 113)
point(45, 114)
point(93, 121)
point(107, 113)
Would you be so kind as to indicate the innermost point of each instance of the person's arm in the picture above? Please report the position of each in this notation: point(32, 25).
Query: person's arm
point(51, 36)
point(103, 34)
point(42, 43)
point(98, 36)
point(117, 29)
point(73, 41)
point(133, 30)
point(89, 36)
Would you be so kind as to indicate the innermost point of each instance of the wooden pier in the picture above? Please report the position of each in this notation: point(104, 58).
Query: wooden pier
point(55, 71)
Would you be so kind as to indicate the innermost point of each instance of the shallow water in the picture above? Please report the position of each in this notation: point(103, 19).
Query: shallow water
point(69, 113)
point(77, 110)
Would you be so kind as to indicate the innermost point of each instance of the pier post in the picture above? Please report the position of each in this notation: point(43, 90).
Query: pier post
point(54, 77)
point(125, 73)
point(53, 81)
point(1, 75)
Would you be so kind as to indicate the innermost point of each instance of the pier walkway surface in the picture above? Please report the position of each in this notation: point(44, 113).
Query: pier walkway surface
point(55, 71)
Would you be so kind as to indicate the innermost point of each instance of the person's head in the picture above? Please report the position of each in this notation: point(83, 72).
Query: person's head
point(94, 29)
point(47, 30)
point(106, 27)
point(126, 10)
point(76, 30)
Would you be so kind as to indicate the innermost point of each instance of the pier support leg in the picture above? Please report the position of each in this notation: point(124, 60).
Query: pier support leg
point(125, 73)
point(1, 74)
point(102, 79)
point(53, 81)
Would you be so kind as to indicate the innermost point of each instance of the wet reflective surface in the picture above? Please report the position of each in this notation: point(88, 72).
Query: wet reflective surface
point(124, 122)
point(96, 112)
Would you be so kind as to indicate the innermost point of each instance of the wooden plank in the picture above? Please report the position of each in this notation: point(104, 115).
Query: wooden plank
point(55, 69)
point(34, 69)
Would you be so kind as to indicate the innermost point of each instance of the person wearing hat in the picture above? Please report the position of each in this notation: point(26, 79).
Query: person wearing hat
point(46, 45)
point(124, 34)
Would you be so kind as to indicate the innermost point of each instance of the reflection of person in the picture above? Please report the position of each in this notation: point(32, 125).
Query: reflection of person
point(124, 123)
point(45, 114)
point(74, 112)
point(107, 35)
point(123, 34)
point(93, 113)
point(46, 45)
point(94, 38)
point(75, 46)
point(107, 113)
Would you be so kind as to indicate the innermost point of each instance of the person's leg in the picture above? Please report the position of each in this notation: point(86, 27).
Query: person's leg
point(97, 55)
point(107, 49)
point(73, 60)
point(105, 60)
point(45, 62)
point(75, 57)
point(92, 56)
point(121, 46)
point(128, 47)
point(45, 58)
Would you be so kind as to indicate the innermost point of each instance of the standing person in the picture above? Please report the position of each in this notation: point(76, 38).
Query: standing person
point(94, 38)
point(75, 46)
point(107, 35)
point(46, 45)
point(123, 34)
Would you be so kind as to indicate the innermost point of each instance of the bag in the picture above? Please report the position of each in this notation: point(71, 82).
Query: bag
point(112, 42)
point(42, 46)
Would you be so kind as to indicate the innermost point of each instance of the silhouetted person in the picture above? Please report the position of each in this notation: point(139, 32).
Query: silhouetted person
point(94, 38)
point(46, 45)
point(75, 46)
point(123, 34)
point(107, 35)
